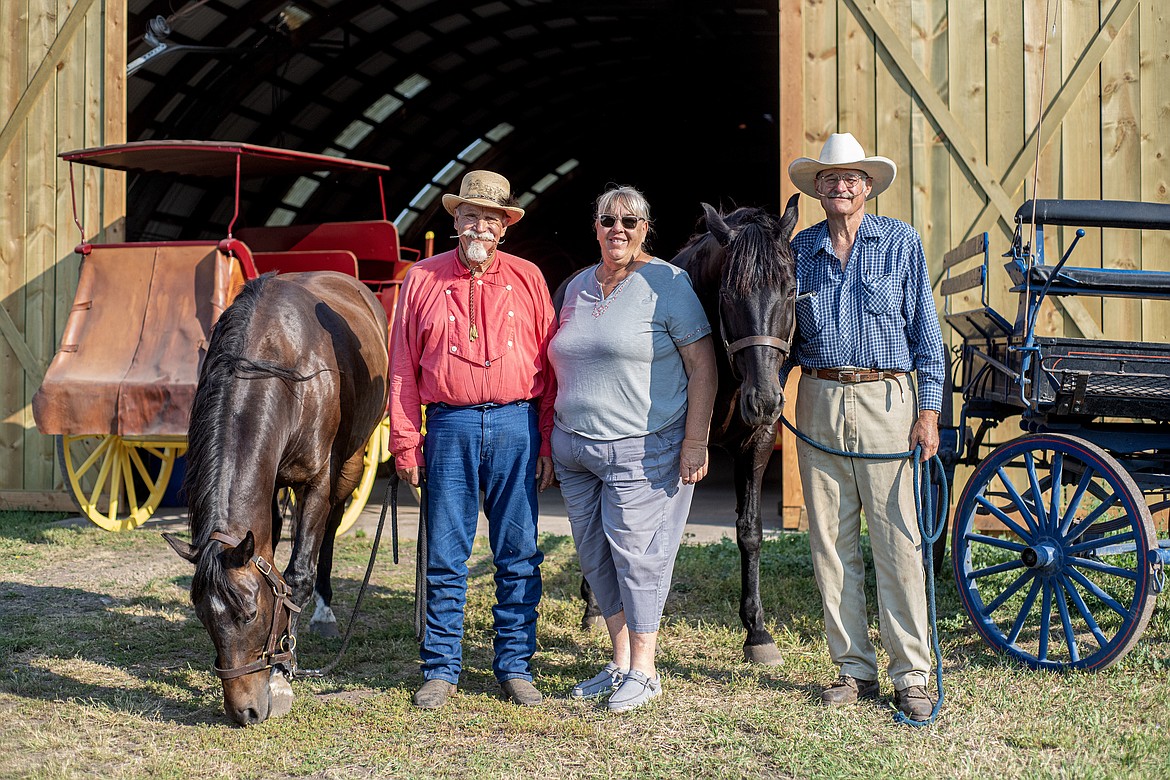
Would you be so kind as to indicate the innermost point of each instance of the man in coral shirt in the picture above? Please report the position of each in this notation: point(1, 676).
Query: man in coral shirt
point(469, 343)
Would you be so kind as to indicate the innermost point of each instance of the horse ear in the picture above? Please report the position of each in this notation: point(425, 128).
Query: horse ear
point(791, 215)
point(242, 552)
point(185, 551)
point(716, 226)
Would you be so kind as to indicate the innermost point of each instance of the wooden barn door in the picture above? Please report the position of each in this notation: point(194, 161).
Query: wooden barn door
point(960, 95)
point(62, 87)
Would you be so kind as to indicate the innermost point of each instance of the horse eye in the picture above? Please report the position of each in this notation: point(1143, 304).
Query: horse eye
point(250, 617)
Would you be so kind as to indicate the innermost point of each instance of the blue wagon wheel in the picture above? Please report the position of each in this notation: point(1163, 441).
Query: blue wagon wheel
point(1051, 549)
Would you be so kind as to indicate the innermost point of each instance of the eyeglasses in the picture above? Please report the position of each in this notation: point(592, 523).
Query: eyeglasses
point(629, 221)
point(831, 180)
point(470, 217)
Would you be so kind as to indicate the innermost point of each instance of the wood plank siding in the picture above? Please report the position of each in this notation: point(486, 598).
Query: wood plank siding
point(57, 92)
point(982, 108)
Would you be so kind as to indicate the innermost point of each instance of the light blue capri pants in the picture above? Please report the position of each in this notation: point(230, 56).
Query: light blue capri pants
point(627, 507)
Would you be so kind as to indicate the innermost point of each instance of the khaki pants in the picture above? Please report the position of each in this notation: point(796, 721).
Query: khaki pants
point(865, 417)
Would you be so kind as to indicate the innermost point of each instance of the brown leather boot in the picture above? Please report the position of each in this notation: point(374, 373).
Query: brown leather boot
point(915, 702)
point(521, 692)
point(847, 690)
point(433, 694)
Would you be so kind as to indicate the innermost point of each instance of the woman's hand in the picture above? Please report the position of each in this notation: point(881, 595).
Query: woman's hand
point(693, 461)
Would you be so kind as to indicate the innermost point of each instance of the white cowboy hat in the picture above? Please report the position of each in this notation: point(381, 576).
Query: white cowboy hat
point(842, 151)
point(485, 188)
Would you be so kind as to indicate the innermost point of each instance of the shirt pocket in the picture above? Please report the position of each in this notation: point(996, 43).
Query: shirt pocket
point(808, 316)
point(879, 293)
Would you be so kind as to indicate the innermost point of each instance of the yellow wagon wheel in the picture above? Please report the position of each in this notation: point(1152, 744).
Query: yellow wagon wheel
point(118, 481)
point(377, 450)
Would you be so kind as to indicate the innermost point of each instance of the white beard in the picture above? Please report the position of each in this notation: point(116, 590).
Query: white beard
point(477, 252)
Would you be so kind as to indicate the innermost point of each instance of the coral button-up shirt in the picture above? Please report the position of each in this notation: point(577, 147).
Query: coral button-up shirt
point(433, 358)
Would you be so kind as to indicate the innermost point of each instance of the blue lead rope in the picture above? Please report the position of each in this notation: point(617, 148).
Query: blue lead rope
point(930, 524)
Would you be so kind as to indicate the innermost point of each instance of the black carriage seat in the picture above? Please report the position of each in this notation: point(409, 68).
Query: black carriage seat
point(1106, 282)
point(982, 322)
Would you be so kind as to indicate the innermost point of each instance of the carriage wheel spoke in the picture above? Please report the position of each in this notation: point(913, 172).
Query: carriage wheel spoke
point(98, 452)
point(1003, 518)
point(1070, 512)
point(995, 541)
point(142, 470)
point(1070, 638)
point(1079, 529)
point(115, 484)
point(1037, 493)
point(102, 476)
point(1102, 541)
point(1096, 590)
point(996, 569)
point(1045, 621)
point(1008, 592)
point(1018, 500)
point(1083, 608)
point(1053, 519)
point(1029, 600)
point(128, 480)
point(1105, 568)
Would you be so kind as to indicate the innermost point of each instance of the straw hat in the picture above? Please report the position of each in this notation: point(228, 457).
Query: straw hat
point(842, 151)
point(484, 188)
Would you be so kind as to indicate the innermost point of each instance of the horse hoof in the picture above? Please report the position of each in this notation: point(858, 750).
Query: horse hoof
point(590, 622)
point(280, 695)
point(327, 630)
point(766, 655)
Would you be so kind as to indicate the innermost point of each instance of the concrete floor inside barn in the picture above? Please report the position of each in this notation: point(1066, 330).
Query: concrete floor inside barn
point(712, 514)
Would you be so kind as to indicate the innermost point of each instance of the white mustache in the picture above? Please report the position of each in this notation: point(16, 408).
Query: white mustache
point(474, 236)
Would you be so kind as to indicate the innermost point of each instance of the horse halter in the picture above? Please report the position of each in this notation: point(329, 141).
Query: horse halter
point(783, 346)
point(278, 650)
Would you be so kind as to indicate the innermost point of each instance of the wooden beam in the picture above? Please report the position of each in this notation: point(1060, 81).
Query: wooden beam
point(45, 72)
point(37, 501)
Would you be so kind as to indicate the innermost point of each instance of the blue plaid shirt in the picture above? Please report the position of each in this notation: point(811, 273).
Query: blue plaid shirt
point(878, 313)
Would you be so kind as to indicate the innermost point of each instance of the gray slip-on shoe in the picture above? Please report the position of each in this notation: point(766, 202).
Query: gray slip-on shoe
point(604, 682)
point(636, 689)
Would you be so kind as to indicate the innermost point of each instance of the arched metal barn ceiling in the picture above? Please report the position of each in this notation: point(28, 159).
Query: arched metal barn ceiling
point(678, 98)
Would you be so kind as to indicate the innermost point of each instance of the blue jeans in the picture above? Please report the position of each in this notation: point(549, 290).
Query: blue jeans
point(467, 450)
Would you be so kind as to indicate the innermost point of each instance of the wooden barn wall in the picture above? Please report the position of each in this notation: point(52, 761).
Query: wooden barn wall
point(960, 94)
point(61, 87)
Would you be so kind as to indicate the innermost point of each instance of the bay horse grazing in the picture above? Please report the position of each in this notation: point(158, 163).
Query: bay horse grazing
point(293, 385)
point(743, 270)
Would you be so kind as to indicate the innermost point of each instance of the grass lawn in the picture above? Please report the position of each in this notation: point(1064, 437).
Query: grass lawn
point(105, 672)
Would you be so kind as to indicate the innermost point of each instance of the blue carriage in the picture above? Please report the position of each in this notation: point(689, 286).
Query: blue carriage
point(1055, 548)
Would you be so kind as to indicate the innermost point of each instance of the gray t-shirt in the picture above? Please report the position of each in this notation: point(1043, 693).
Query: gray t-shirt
point(619, 372)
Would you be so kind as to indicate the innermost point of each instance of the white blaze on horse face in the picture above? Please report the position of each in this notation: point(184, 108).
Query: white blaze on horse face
point(218, 607)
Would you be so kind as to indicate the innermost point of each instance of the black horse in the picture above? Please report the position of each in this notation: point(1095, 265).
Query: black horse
point(291, 389)
point(742, 269)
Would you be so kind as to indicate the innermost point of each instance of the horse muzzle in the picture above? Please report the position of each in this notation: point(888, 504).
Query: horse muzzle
point(761, 405)
point(250, 702)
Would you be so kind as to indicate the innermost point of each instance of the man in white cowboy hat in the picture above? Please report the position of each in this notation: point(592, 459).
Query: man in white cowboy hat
point(469, 344)
point(865, 321)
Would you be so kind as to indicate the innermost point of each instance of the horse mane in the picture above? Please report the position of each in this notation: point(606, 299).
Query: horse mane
point(206, 461)
point(756, 246)
point(750, 259)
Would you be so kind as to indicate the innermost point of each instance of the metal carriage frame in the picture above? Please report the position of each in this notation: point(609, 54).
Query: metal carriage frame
point(117, 394)
point(1054, 548)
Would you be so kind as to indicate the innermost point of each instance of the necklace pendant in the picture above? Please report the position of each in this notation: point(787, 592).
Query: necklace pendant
point(473, 333)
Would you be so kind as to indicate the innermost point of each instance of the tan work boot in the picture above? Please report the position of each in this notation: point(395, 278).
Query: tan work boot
point(521, 692)
point(433, 694)
point(915, 702)
point(847, 690)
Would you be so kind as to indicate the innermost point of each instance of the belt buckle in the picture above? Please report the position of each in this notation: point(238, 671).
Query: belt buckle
point(847, 377)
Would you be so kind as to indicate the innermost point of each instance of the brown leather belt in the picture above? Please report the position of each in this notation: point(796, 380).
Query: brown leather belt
point(850, 376)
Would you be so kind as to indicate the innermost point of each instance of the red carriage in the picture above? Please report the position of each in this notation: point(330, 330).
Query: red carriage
point(118, 393)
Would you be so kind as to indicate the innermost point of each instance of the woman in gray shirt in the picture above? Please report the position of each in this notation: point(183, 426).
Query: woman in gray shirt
point(636, 382)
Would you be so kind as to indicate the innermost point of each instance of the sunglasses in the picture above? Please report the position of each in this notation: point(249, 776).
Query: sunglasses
point(629, 222)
